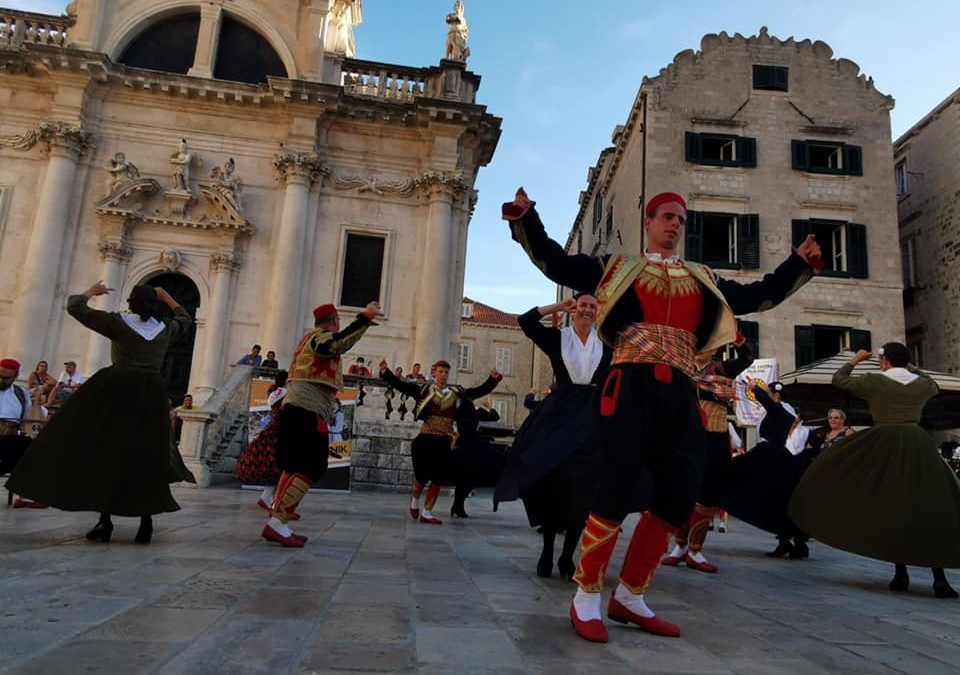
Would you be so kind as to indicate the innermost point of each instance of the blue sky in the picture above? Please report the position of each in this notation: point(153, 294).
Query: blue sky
point(562, 74)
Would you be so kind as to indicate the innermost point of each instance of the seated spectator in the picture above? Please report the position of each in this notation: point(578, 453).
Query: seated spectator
point(358, 368)
point(398, 371)
point(68, 382)
point(270, 361)
point(416, 374)
point(251, 359)
point(336, 424)
point(177, 420)
point(40, 380)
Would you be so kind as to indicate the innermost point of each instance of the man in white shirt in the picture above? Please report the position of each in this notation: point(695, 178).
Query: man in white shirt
point(68, 382)
point(14, 408)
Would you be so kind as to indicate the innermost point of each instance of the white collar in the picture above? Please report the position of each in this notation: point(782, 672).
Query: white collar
point(148, 329)
point(581, 359)
point(658, 258)
point(901, 375)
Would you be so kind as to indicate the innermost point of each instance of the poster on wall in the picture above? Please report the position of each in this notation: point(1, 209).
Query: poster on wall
point(340, 435)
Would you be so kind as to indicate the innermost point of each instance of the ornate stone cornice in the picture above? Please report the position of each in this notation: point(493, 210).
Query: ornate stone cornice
point(442, 183)
point(225, 262)
point(57, 135)
point(294, 165)
point(114, 250)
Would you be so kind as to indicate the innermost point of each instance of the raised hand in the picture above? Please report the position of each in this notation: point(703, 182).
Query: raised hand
point(861, 355)
point(166, 298)
point(520, 205)
point(809, 250)
point(98, 288)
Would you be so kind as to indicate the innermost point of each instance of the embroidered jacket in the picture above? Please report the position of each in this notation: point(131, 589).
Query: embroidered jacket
point(317, 356)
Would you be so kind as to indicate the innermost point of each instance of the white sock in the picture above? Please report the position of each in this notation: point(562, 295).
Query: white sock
point(426, 513)
point(698, 557)
point(722, 527)
point(632, 602)
point(267, 494)
point(414, 502)
point(279, 527)
point(678, 551)
point(587, 605)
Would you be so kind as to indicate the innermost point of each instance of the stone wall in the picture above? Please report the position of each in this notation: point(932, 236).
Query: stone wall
point(381, 455)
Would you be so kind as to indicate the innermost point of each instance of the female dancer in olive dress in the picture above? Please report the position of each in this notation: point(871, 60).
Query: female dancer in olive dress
point(116, 458)
point(885, 492)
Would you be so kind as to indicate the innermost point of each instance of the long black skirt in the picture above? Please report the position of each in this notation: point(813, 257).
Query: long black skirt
point(761, 484)
point(108, 449)
point(476, 462)
point(716, 475)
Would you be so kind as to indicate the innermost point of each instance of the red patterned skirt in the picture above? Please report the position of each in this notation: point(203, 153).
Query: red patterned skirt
point(258, 463)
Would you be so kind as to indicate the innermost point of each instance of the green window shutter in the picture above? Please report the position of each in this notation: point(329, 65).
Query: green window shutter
point(853, 160)
point(800, 153)
point(692, 143)
point(801, 228)
point(857, 250)
point(748, 244)
point(747, 152)
point(693, 242)
point(860, 339)
point(805, 347)
point(751, 331)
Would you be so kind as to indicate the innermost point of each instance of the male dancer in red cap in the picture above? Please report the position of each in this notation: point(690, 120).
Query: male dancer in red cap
point(302, 444)
point(657, 312)
point(437, 404)
point(14, 406)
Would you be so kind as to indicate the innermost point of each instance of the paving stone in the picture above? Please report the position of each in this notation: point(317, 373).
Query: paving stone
point(157, 624)
point(354, 656)
point(96, 657)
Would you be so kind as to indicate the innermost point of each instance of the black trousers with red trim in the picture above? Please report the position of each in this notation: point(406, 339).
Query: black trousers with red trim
point(651, 441)
point(302, 442)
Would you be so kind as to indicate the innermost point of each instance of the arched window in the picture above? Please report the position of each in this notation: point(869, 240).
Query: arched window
point(243, 55)
point(168, 45)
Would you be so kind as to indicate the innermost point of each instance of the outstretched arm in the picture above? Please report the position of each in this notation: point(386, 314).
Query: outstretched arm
point(491, 383)
point(844, 379)
point(579, 272)
point(343, 340)
point(105, 323)
point(776, 286)
point(547, 339)
point(408, 387)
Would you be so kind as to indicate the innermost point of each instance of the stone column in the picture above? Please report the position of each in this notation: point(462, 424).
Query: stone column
point(434, 291)
point(223, 267)
point(208, 39)
point(31, 314)
point(283, 322)
point(115, 256)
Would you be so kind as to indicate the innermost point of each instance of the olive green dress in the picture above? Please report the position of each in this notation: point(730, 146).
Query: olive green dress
point(109, 449)
point(884, 492)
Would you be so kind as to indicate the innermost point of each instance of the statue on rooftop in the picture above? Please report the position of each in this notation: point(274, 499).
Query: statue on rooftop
point(121, 172)
point(458, 34)
point(345, 15)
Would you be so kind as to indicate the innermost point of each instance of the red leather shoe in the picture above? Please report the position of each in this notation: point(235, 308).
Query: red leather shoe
point(592, 630)
point(292, 541)
point(617, 612)
point(671, 560)
point(19, 503)
point(431, 520)
point(704, 566)
point(415, 514)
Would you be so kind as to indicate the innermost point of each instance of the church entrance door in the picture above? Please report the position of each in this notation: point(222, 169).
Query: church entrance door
point(176, 365)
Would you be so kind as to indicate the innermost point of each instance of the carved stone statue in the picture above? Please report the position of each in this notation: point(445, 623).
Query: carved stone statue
point(344, 16)
point(181, 161)
point(170, 259)
point(121, 172)
point(228, 184)
point(457, 35)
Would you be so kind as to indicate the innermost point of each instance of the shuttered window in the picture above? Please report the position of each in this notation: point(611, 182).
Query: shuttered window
point(827, 157)
point(720, 150)
point(843, 246)
point(723, 240)
point(362, 270)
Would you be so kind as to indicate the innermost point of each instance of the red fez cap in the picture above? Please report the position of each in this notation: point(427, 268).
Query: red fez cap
point(441, 364)
point(664, 198)
point(10, 364)
point(324, 312)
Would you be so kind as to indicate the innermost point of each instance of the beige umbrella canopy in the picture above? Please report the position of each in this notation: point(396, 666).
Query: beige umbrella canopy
point(809, 388)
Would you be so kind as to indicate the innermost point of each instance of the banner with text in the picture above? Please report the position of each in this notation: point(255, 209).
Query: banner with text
point(749, 412)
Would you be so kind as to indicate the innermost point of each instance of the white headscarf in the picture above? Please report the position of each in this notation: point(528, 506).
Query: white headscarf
point(148, 329)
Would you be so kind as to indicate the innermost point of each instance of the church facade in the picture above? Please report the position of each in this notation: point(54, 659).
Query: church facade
point(242, 157)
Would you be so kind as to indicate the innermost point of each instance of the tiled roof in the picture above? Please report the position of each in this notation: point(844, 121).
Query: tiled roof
point(490, 315)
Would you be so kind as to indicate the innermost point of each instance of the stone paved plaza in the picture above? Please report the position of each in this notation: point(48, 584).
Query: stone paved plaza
point(375, 592)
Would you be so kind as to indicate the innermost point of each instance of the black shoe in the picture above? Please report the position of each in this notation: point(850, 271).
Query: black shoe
point(566, 568)
point(145, 531)
point(458, 512)
point(799, 552)
point(901, 583)
point(545, 565)
point(782, 549)
point(101, 532)
point(942, 589)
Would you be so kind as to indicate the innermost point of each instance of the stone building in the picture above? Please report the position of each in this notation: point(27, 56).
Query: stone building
point(927, 171)
point(768, 140)
point(238, 154)
point(491, 338)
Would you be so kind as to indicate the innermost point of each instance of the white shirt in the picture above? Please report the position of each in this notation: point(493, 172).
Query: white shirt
point(581, 359)
point(148, 329)
point(10, 408)
point(67, 378)
point(901, 375)
point(657, 258)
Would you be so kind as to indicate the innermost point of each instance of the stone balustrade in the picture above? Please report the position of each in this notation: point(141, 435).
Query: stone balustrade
point(383, 80)
point(20, 28)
